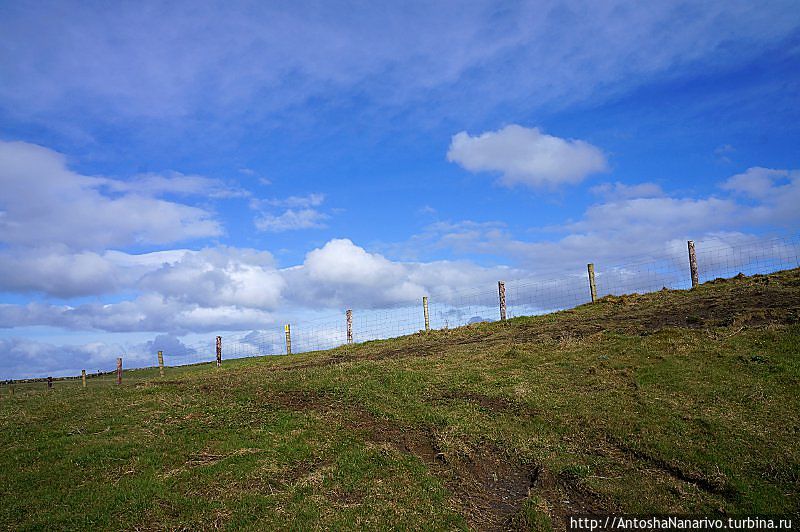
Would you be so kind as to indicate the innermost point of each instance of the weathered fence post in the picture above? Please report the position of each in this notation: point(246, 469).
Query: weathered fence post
point(219, 351)
point(592, 286)
point(425, 313)
point(83, 377)
point(288, 332)
point(11, 390)
point(693, 264)
point(501, 289)
point(161, 363)
point(49, 382)
point(349, 315)
point(119, 370)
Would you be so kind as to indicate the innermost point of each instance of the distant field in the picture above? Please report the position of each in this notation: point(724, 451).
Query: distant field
point(673, 402)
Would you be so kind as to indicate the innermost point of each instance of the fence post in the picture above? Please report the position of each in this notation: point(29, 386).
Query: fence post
point(693, 264)
point(349, 315)
point(161, 363)
point(425, 313)
point(83, 377)
point(501, 289)
point(11, 390)
point(288, 331)
point(119, 370)
point(49, 382)
point(592, 286)
point(219, 351)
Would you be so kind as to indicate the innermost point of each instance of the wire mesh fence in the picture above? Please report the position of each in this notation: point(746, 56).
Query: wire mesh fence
point(523, 297)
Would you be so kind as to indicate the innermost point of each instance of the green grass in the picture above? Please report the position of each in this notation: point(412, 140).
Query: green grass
point(679, 402)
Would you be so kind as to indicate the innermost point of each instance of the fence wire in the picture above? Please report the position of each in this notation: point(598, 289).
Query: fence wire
point(524, 297)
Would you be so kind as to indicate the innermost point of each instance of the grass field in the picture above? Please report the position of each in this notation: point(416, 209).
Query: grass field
point(677, 401)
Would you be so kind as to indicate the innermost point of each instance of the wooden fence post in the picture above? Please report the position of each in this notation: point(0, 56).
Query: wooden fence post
point(592, 285)
point(425, 313)
point(83, 377)
point(288, 331)
point(219, 351)
point(501, 289)
point(119, 370)
point(11, 390)
point(693, 264)
point(349, 315)
point(161, 363)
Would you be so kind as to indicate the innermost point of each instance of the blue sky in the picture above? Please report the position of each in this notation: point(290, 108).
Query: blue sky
point(184, 168)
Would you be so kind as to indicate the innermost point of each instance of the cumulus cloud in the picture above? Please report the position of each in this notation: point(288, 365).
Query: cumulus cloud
point(218, 277)
point(340, 273)
point(42, 203)
point(526, 156)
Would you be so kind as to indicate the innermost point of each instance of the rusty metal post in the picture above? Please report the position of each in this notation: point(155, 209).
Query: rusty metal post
point(161, 363)
point(693, 264)
point(501, 289)
point(219, 351)
point(288, 330)
point(592, 286)
point(349, 314)
point(425, 313)
point(119, 370)
point(83, 377)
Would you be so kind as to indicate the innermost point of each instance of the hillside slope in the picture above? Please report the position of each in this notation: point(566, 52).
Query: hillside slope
point(677, 401)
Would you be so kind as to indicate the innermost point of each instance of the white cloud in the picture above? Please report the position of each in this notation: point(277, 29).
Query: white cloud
point(340, 273)
point(300, 213)
point(291, 219)
point(43, 203)
point(723, 152)
point(760, 182)
point(219, 277)
point(310, 200)
point(152, 184)
point(527, 156)
point(612, 191)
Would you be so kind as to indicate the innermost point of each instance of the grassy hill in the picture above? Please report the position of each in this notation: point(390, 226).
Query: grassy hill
point(677, 401)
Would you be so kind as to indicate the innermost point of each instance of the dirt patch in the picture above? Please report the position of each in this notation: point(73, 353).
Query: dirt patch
point(495, 405)
point(489, 487)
